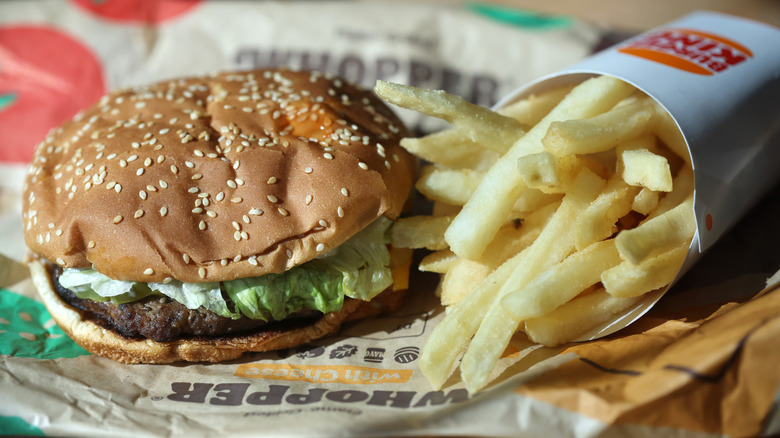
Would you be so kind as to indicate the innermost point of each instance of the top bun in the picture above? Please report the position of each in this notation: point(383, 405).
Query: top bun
point(214, 178)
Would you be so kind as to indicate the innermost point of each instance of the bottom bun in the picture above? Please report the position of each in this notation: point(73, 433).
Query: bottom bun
point(103, 342)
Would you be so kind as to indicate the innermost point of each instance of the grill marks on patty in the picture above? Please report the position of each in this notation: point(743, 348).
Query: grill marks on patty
point(162, 319)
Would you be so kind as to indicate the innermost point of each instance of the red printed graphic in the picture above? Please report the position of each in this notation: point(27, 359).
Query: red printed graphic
point(138, 11)
point(689, 50)
point(46, 77)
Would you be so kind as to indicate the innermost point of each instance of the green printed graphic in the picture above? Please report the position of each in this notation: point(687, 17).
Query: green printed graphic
point(518, 17)
point(17, 427)
point(27, 330)
point(6, 100)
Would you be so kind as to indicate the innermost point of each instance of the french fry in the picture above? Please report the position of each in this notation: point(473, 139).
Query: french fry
point(554, 243)
point(481, 125)
point(460, 279)
point(476, 225)
point(601, 132)
point(576, 318)
point(631, 280)
point(420, 232)
point(645, 201)
point(531, 110)
point(666, 129)
point(562, 282)
point(659, 234)
point(451, 186)
point(451, 148)
point(643, 168)
point(598, 220)
point(451, 336)
point(438, 261)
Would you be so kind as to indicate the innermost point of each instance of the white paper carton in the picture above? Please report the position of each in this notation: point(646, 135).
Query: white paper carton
point(718, 76)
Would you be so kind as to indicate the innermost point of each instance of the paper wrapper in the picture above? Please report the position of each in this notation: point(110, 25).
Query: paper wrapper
point(700, 363)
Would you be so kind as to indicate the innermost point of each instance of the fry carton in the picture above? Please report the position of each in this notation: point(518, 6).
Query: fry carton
point(716, 75)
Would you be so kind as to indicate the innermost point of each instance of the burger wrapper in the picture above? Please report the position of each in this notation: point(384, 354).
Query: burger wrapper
point(717, 76)
point(701, 363)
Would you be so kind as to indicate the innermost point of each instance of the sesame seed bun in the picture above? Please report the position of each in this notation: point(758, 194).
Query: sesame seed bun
point(208, 179)
point(215, 178)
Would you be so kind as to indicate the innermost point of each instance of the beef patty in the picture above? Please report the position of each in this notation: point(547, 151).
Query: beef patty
point(162, 319)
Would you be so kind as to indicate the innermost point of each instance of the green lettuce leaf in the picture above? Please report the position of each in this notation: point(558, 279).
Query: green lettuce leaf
point(358, 269)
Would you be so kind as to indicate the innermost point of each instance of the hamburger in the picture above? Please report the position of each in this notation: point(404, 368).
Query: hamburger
point(200, 218)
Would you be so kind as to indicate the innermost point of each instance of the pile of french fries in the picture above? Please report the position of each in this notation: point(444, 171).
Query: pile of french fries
point(550, 215)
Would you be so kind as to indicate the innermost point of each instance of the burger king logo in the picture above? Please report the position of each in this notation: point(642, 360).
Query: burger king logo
point(692, 51)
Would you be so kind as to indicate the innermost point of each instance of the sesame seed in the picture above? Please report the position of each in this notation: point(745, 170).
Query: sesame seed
point(174, 169)
point(122, 163)
point(132, 158)
point(272, 180)
point(237, 235)
point(148, 162)
point(197, 210)
point(151, 188)
point(60, 261)
point(163, 184)
point(189, 164)
point(236, 200)
point(309, 199)
point(340, 211)
point(256, 211)
point(289, 253)
point(163, 211)
point(140, 171)
point(202, 225)
point(236, 225)
point(283, 212)
point(323, 223)
point(202, 272)
point(186, 258)
point(118, 219)
point(253, 261)
point(149, 271)
point(220, 196)
point(197, 176)
point(138, 214)
point(344, 191)
point(239, 181)
point(320, 247)
point(272, 198)
point(231, 184)
point(91, 244)
point(328, 156)
point(142, 194)
point(308, 169)
point(246, 219)
point(167, 280)
point(193, 190)
point(118, 188)
point(244, 235)
point(237, 258)
point(198, 152)
point(211, 214)
point(363, 165)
